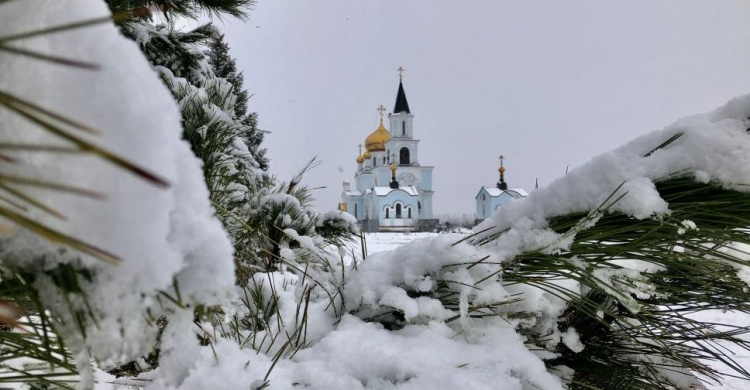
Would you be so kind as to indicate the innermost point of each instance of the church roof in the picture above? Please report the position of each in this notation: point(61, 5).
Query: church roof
point(515, 192)
point(401, 104)
point(383, 191)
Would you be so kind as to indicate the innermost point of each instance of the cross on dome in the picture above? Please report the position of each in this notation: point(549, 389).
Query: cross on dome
point(502, 184)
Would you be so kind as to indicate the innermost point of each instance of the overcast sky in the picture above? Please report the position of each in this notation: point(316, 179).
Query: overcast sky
point(546, 84)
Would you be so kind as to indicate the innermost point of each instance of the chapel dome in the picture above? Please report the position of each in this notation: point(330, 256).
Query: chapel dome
point(375, 142)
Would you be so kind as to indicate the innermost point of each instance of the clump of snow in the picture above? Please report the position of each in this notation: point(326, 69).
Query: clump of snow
point(360, 355)
point(339, 219)
point(572, 340)
point(162, 235)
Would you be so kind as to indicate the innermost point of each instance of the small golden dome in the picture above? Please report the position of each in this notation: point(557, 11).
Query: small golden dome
point(367, 154)
point(360, 159)
point(393, 167)
point(375, 142)
point(501, 169)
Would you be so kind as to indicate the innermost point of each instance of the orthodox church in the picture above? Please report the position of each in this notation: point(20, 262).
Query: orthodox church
point(392, 190)
point(490, 199)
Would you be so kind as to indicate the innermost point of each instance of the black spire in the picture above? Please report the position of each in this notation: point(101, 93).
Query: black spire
point(401, 104)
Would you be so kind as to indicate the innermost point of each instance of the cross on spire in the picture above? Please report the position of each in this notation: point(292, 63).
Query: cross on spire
point(400, 73)
point(381, 109)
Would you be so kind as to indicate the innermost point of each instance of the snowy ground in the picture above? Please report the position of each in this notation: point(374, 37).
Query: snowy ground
point(381, 242)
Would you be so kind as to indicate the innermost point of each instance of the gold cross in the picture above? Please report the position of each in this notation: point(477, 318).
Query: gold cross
point(381, 109)
point(400, 73)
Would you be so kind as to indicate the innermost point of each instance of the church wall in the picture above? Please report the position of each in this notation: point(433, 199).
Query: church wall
point(483, 202)
point(423, 177)
point(426, 181)
point(489, 207)
point(376, 160)
point(427, 206)
point(383, 175)
point(359, 209)
point(394, 147)
point(365, 181)
point(499, 201)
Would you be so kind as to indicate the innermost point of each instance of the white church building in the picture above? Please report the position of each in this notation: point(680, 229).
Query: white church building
point(490, 199)
point(392, 190)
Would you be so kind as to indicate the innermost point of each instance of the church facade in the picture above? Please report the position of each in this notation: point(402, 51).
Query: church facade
point(392, 190)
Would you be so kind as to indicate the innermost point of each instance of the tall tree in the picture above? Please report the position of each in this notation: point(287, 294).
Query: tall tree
point(224, 66)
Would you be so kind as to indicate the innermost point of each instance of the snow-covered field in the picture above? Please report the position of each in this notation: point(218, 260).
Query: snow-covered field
point(382, 242)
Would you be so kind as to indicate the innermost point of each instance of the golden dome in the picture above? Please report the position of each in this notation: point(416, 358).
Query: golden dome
point(367, 154)
point(375, 142)
point(501, 169)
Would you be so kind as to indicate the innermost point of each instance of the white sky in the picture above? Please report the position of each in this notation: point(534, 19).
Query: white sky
point(546, 84)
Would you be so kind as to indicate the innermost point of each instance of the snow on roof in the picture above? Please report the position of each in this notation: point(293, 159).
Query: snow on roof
point(513, 192)
point(353, 193)
point(383, 191)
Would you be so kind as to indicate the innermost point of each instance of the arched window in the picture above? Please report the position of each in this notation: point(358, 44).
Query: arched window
point(403, 128)
point(404, 156)
point(383, 160)
point(408, 212)
point(398, 210)
point(387, 213)
point(355, 210)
